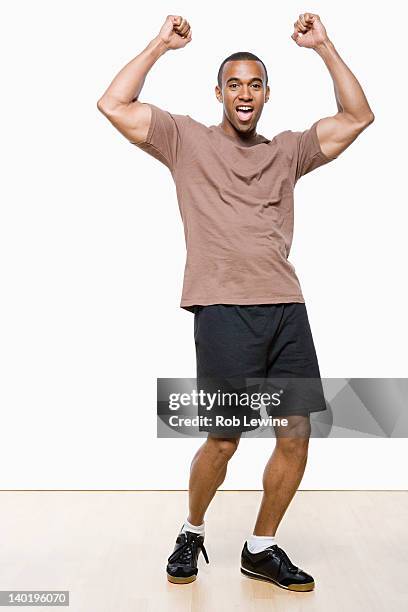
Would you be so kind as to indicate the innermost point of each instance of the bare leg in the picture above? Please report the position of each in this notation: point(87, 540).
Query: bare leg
point(208, 471)
point(283, 473)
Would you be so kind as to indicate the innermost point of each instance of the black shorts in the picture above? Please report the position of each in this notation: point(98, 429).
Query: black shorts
point(239, 346)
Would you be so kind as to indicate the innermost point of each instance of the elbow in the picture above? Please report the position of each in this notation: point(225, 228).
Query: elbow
point(360, 121)
point(107, 105)
point(101, 106)
point(368, 120)
point(363, 122)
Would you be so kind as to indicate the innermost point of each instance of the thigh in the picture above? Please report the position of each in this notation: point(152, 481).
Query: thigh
point(231, 346)
point(292, 352)
point(293, 365)
point(231, 340)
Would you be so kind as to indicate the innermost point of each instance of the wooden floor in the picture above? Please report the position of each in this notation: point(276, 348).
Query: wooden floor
point(109, 549)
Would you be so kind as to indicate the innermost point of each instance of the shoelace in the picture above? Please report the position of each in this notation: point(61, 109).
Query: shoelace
point(186, 551)
point(284, 557)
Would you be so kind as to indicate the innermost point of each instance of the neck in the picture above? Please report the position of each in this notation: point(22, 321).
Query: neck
point(230, 130)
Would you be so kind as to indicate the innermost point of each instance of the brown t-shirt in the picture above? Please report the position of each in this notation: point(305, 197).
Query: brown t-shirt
point(236, 203)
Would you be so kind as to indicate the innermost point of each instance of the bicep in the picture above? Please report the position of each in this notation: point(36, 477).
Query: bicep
point(337, 133)
point(132, 120)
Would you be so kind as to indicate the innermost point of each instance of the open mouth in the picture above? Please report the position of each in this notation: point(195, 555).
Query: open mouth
point(244, 112)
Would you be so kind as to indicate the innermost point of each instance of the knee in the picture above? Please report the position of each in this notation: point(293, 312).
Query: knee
point(224, 447)
point(294, 448)
point(293, 441)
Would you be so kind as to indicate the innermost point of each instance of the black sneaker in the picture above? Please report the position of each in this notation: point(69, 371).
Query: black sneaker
point(274, 565)
point(182, 563)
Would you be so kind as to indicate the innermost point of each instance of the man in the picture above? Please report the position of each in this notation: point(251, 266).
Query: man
point(235, 192)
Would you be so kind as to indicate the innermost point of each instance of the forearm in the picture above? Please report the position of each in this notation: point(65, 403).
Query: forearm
point(128, 83)
point(349, 94)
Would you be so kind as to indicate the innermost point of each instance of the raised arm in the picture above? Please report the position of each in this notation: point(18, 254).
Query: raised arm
point(120, 102)
point(354, 113)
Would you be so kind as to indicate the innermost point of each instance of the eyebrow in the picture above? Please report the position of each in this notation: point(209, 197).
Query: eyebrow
point(237, 79)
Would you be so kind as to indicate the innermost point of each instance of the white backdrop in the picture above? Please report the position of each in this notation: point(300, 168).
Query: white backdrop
point(92, 246)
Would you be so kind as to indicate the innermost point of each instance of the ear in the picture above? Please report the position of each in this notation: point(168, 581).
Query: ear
point(268, 92)
point(218, 93)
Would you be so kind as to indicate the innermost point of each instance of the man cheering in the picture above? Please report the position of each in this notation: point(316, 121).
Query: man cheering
point(235, 191)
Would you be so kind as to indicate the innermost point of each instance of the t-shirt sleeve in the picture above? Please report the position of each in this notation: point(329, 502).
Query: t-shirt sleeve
point(165, 136)
point(308, 154)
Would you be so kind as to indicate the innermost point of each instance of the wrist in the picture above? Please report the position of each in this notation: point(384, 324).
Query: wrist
point(158, 46)
point(324, 47)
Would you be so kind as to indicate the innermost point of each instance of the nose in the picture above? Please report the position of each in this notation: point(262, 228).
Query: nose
point(245, 94)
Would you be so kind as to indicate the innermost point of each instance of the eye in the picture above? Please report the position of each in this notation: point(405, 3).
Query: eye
point(257, 86)
point(234, 85)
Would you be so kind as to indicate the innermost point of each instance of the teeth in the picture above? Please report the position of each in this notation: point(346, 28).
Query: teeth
point(244, 108)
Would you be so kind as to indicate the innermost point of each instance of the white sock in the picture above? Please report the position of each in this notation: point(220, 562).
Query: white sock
point(194, 528)
point(258, 543)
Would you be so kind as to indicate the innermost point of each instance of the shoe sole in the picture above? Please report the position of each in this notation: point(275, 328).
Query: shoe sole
point(308, 586)
point(179, 580)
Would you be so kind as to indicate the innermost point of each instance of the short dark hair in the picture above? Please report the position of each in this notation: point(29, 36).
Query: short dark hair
point(239, 55)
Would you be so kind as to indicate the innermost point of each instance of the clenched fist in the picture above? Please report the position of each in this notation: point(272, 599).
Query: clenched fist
point(309, 31)
point(175, 32)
